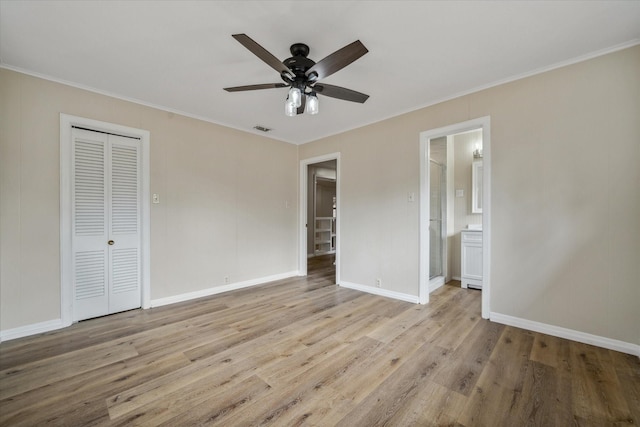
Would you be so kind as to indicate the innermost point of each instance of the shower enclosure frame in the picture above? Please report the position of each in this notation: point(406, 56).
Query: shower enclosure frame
point(438, 279)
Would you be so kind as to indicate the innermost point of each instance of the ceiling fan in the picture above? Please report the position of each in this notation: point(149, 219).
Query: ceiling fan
point(301, 74)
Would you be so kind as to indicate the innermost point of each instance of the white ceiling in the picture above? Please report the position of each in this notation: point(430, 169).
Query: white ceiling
point(178, 55)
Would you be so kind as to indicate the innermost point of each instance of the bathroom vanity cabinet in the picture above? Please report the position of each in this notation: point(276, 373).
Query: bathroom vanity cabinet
point(471, 257)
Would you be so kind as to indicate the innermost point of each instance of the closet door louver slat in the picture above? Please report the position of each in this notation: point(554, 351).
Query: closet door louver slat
point(90, 274)
point(89, 188)
point(124, 190)
point(125, 270)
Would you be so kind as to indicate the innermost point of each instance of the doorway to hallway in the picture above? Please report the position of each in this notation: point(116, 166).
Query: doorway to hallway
point(319, 214)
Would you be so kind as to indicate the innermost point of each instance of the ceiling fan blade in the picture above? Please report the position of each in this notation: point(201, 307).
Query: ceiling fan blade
point(340, 93)
point(337, 60)
point(303, 103)
point(263, 54)
point(255, 87)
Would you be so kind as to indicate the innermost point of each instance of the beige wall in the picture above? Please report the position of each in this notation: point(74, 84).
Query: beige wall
point(565, 229)
point(222, 210)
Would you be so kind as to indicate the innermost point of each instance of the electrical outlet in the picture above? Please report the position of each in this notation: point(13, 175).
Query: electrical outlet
point(378, 282)
point(226, 280)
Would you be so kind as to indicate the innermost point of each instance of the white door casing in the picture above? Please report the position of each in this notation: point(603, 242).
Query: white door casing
point(104, 197)
point(483, 123)
point(302, 221)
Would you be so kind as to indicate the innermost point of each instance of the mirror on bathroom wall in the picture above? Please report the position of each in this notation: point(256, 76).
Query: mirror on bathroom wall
point(476, 186)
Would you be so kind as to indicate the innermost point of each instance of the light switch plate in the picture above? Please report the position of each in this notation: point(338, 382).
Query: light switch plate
point(459, 193)
point(156, 198)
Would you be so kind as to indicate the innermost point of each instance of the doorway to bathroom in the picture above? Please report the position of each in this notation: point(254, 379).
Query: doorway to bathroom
point(454, 208)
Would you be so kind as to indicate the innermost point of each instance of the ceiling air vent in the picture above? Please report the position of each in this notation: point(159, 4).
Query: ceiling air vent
point(261, 128)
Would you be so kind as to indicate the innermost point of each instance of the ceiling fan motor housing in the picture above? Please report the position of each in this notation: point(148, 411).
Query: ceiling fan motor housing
point(299, 49)
point(299, 64)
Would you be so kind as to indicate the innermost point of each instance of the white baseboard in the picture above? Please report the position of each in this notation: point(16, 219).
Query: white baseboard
point(220, 289)
point(570, 334)
point(33, 329)
point(436, 283)
point(381, 292)
point(459, 279)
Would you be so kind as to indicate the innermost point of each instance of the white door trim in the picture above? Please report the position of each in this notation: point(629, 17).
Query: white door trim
point(302, 219)
point(485, 124)
point(66, 289)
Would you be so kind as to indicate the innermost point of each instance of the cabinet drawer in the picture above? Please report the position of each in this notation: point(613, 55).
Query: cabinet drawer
point(471, 237)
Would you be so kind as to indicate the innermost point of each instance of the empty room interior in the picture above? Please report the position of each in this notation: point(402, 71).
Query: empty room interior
point(440, 227)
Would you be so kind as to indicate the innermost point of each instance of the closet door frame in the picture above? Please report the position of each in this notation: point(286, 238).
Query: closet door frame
point(67, 122)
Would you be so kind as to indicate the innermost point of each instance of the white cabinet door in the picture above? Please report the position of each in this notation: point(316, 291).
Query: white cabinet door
point(471, 257)
point(105, 223)
point(472, 265)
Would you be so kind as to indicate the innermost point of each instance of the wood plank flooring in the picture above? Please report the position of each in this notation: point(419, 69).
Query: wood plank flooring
point(303, 351)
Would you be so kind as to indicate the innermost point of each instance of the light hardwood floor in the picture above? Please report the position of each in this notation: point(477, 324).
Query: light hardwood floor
point(303, 351)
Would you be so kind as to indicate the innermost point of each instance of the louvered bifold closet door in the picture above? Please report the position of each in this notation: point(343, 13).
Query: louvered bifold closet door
point(89, 224)
point(106, 223)
point(124, 224)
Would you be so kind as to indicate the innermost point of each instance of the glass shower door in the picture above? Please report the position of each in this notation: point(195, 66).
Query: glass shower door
point(437, 191)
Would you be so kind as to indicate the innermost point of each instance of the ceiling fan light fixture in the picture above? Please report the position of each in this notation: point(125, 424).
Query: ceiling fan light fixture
point(289, 108)
point(295, 96)
point(312, 104)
